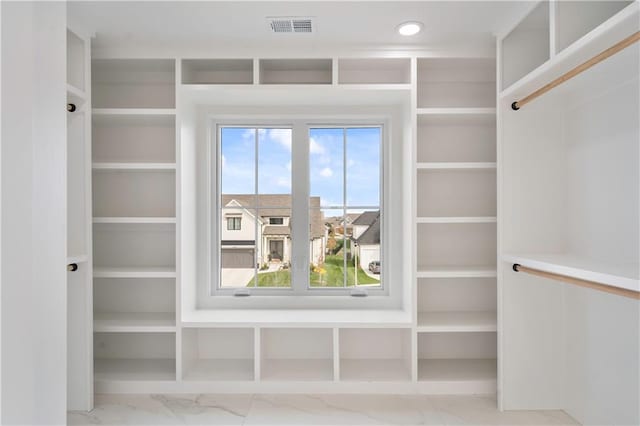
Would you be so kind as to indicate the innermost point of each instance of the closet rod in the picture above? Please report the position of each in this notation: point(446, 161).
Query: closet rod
point(579, 282)
point(577, 70)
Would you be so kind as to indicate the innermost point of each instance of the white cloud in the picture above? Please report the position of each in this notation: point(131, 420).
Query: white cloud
point(282, 136)
point(315, 147)
point(326, 172)
point(249, 135)
point(351, 163)
point(283, 182)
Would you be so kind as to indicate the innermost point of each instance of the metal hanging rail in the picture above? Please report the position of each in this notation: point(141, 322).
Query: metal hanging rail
point(579, 282)
point(577, 70)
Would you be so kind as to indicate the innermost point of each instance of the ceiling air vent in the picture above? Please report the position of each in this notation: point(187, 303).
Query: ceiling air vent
point(287, 24)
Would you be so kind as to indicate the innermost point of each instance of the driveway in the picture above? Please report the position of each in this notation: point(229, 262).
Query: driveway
point(236, 277)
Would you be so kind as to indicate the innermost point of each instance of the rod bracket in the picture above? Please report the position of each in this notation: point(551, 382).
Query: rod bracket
point(71, 107)
point(514, 106)
point(515, 267)
point(72, 267)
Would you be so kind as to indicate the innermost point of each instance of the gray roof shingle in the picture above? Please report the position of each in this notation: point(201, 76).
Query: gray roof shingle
point(372, 235)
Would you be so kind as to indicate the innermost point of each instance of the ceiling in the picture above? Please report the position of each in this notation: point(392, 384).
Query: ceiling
point(241, 25)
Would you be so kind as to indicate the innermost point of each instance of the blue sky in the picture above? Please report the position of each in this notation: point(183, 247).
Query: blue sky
point(326, 163)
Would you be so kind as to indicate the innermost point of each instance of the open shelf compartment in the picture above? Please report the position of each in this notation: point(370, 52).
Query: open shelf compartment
point(134, 193)
point(456, 193)
point(134, 356)
point(128, 304)
point(218, 354)
point(217, 71)
point(456, 82)
point(134, 138)
point(296, 71)
point(133, 83)
point(375, 354)
point(296, 354)
point(374, 71)
point(527, 46)
point(457, 357)
point(456, 138)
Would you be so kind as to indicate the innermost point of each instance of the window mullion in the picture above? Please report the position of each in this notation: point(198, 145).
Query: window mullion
point(300, 208)
point(344, 206)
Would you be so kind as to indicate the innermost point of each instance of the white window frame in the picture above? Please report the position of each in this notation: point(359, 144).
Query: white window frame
point(210, 296)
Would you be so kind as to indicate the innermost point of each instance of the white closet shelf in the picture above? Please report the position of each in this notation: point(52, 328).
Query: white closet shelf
point(319, 318)
point(134, 111)
point(134, 322)
point(379, 370)
point(134, 166)
point(77, 258)
point(74, 92)
point(220, 370)
point(456, 111)
point(134, 220)
point(457, 321)
point(625, 276)
point(456, 272)
point(457, 370)
point(456, 219)
point(303, 370)
point(616, 28)
point(455, 166)
point(126, 369)
point(142, 272)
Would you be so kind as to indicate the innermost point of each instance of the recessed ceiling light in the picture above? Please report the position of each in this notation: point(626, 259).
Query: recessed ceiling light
point(409, 28)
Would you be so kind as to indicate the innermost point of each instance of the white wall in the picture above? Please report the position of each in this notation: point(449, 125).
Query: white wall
point(33, 245)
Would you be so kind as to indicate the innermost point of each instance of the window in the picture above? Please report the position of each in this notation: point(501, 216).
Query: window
point(344, 174)
point(233, 223)
point(300, 236)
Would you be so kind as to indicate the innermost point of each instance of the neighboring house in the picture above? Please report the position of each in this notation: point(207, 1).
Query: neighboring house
point(337, 223)
point(366, 234)
point(267, 236)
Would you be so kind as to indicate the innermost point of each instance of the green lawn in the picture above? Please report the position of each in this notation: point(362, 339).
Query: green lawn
point(333, 277)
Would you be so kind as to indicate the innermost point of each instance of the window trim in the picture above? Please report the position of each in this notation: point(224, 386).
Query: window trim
point(392, 293)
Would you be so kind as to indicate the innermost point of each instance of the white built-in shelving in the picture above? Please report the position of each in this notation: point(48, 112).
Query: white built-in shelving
point(455, 224)
point(134, 220)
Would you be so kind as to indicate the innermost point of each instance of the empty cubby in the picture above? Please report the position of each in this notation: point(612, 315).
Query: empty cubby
point(296, 354)
point(375, 354)
point(134, 138)
point(219, 354)
point(217, 71)
point(134, 356)
point(133, 83)
point(374, 71)
point(456, 82)
point(296, 71)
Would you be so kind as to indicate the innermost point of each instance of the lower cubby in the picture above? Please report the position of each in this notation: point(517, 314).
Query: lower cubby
point(457, 357)
point(134, 356)
point(218, 354)
point(296, 354)
point(368, 354)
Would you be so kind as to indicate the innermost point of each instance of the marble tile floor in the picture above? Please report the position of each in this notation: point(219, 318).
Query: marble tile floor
point(319, 410)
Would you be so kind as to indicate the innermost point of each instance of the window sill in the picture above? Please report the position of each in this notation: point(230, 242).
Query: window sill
point(296, 318)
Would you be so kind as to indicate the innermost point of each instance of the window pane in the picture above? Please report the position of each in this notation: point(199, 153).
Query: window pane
point(326, 165)
point(237, 162)
point(237, 248)
point(274, 167)
point(363, 166)
point(327, 241)
point(274, 252)
point(363, 256)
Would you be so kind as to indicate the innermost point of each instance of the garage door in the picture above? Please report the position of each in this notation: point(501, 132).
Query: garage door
point(237, 258)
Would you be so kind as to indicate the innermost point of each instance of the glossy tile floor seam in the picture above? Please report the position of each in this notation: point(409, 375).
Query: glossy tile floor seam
point(317, 410)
